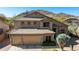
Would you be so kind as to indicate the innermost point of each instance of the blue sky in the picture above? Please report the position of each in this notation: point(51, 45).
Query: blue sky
point(12, 11)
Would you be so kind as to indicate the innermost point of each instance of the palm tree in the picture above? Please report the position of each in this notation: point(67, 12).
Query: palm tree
point(62, 39)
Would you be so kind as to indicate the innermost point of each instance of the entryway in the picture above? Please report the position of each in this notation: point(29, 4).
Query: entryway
point(48, 41)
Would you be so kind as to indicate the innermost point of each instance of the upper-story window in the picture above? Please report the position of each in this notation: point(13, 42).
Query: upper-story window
point(34, 23)
point(46, 24)
point(22, 23)
point(29, 23)
point(54, 25)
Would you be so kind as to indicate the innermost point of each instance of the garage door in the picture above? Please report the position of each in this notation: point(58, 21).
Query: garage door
point(32, 39)
point(25, 39)
point(16, 39)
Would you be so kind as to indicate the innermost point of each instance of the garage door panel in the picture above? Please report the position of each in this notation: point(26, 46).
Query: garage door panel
point(26, 39)
point(16, 39)
point(32, 39)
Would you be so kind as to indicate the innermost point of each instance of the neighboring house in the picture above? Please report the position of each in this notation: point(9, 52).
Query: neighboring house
point(36, 27)
point(72, 20)
point(3, 28)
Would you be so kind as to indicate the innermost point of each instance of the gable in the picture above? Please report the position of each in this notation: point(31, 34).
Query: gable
point(35, 15)
point(47, 19)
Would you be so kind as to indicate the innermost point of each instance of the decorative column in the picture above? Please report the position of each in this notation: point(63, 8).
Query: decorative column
point(50, 25)
point(41, 25)
point(52, 37)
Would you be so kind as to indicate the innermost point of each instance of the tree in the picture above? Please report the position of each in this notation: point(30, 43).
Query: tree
point(2, 17)
point(72, 28)
point(60, 19)
point(62, 39)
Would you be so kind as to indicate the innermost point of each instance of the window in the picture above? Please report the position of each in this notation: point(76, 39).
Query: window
point(62, 31)
point(54, 29)
point(46, 24)
point(1, 31)
point(22, 23)
point(28, 22)
point(34, 22)
point(54, 25)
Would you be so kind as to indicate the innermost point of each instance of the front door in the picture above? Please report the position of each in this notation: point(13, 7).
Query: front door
point(48, 41)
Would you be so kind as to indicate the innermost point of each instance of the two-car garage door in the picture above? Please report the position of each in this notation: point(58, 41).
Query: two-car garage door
point(26, 39)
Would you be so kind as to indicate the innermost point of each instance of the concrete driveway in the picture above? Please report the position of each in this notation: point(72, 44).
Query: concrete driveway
point(5, 46)
point(23, 48)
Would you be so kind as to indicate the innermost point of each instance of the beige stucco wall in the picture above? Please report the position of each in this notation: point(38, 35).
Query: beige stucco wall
point(17, 24)
point(26, 25)
point(39, 24)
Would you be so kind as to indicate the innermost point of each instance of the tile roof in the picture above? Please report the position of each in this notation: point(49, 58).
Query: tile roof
point(29, 19)
point(31, 31)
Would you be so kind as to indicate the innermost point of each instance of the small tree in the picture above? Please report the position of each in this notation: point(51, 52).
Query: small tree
point(62, 39)
point(72, 28)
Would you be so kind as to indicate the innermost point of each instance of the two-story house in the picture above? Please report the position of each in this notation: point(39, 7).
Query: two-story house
point(35, 28)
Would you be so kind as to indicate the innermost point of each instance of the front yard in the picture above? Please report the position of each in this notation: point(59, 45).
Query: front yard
point(31, 48)
point(5, 46)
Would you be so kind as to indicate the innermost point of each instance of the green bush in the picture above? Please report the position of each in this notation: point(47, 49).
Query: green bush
point(52, 43)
